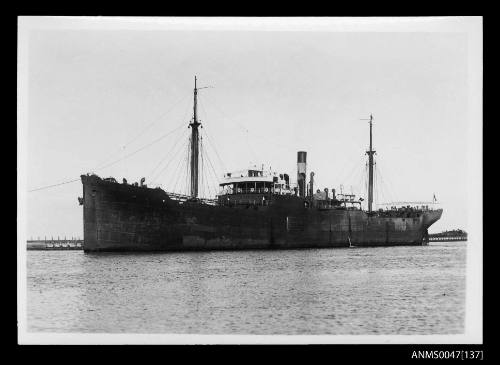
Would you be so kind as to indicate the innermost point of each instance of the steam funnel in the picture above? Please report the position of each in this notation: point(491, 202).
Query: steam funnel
point(301, 172)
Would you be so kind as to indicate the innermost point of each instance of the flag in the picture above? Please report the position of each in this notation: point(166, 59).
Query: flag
point(434, 198)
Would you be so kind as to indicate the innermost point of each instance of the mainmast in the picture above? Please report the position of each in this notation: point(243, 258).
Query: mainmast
point(370, 154)
point(194, 145)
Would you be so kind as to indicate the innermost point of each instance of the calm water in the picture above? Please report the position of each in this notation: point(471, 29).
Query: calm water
point(405, 290)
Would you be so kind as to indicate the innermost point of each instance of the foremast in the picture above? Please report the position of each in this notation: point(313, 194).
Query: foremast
point(194, 145)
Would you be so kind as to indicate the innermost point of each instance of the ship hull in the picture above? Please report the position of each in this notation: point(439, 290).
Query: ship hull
point(121, 217)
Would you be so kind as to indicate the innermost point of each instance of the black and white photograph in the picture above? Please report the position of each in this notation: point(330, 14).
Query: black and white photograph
point(249, 180)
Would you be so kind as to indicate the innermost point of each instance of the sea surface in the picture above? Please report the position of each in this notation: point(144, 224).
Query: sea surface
point(390, 290)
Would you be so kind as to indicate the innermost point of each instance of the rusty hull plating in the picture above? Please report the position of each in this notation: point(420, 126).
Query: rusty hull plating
point(123, 217)
point(255, 211)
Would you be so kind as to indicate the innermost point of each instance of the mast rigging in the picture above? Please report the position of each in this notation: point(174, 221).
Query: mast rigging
point(370, 154)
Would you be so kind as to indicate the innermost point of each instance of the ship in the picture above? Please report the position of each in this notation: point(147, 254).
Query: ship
point(255, 209)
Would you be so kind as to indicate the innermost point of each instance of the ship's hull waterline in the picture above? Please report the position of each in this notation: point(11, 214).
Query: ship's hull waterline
point(122, 217)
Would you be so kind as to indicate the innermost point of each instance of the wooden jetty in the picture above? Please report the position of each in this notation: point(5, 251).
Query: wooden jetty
point(446, 239)
point(55, 244)
point(446, 236)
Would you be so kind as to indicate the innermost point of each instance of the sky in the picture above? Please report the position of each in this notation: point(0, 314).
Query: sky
point(117, 101)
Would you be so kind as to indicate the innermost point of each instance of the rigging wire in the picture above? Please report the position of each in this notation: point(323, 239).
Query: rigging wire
point(186, 139)
point(365, 182)
point(175, 174)
point(189, 157)
point(54, 185)
point(204, 152)
point(205, 177)
point(207, 157)
point(356, 181)
point(386, 193)
point(180, 169)
point(233, 120)
point(168, 154)
point(111, 163)
point(359, 183)
point(207, 180)
point(202, 173)
point(353, 170)
point(141, 149)
point(161, 116)
point(206, 172)
point(388, 187)
point(176, 153)
point(225, 116)
point(380, 188)
point(212, 144)
point(215, 149)
point(101, 166)
point(210, 164)
point(187, 181)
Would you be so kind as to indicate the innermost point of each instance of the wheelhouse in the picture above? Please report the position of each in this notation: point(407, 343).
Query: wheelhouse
point(253, 186)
